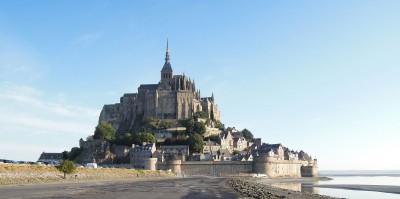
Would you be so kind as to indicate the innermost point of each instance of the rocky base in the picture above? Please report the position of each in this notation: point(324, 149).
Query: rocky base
point(258, 190)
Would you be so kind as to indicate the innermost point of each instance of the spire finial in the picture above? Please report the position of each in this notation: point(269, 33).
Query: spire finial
point(167, 52)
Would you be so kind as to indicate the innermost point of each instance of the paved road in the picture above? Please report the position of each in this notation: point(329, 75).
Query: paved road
point(184, 188)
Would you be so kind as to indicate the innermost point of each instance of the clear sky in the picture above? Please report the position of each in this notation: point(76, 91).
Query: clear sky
point(318, 76)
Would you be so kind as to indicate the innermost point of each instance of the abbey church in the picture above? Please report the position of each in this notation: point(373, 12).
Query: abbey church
point(174, 97)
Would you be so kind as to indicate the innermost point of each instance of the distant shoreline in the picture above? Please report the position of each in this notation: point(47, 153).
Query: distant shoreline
point(361, 175)
point(377, 188)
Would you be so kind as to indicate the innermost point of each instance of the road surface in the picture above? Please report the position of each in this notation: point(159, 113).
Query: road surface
point(184, 188)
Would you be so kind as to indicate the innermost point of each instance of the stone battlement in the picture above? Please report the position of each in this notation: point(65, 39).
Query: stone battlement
point(272, 168)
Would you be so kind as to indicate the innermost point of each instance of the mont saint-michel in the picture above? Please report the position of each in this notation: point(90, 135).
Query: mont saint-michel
point(174, 97)
point(169, 125)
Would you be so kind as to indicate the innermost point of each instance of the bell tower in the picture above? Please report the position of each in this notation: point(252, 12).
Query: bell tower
point(166, 72)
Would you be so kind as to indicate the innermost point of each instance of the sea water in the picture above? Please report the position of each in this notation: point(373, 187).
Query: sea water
point(360, 180)
point(356, 178)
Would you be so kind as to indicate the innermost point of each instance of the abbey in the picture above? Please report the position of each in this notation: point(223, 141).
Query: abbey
point(174, 97)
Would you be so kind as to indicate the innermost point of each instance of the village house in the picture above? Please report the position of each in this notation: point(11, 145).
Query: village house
point(226, 140)
point(140, 153)
point(210, 147)
point(291, 155)
point(239, 143)
point(275, 150)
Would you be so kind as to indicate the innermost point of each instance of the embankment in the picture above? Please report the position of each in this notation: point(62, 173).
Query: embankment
point(35, 174)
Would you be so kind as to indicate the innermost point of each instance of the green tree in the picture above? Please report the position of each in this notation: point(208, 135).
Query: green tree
point(67, 167)
point(150, 123)
point(189, 124)
point(139, 138)
point(89, 138)
point(104, 131)
point(195, 143)
point(65, 155)
point(201, 114)
point(219, 125)
point(235, 152)
point(200, 128)
point(75, 152)
point(164, 124)
point(214, 138)
point(126, 139)
point(248, 135)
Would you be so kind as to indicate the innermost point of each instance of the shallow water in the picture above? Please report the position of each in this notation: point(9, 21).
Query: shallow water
point(354, 194)
point(311, 187)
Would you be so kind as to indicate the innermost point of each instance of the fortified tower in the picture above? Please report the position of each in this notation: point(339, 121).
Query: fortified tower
point(175, 164)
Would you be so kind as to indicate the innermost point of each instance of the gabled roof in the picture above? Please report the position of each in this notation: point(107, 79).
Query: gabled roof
point(225, 152)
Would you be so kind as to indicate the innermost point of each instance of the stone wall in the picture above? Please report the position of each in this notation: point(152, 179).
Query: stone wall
point(213, 168)
point(216, 168)
point(284, 169)
point(278, 168)
point(264, 165)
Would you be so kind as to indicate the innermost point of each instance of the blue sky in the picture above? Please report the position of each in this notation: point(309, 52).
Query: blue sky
point(322, 76)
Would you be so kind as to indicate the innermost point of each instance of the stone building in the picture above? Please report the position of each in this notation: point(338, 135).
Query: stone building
point(51, 157)
point(139, 154)
point(174, 97)
point(275, 150)
point(162, 134)
point(169, 151)
point(211, 147)
point(226, 140)
point(239, 143)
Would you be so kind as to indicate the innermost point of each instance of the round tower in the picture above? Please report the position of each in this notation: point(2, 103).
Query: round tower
point(150, 164)
point(260, 164)
point(175, 164)
point(315, 168)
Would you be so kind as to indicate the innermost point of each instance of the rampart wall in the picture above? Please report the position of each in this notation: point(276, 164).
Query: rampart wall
point(265, 165)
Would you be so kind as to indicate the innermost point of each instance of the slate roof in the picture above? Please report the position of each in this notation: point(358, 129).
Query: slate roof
point(148, 87)
point(130, 94)
point(167, 67)
point(211, 143)
point(146, 147)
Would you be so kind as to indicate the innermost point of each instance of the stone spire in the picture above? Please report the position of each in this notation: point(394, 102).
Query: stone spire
point(166, 71)
point(167, 53)
point(167, 64)
point(212, 97)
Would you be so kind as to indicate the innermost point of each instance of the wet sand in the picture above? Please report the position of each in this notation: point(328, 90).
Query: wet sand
point(170, 188)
